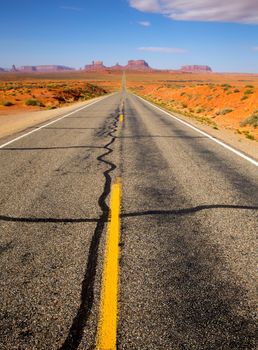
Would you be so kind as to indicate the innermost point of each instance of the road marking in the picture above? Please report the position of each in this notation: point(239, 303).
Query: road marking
point(121, 118)
point(240, 154)
point(55, 121)
point(107, 325)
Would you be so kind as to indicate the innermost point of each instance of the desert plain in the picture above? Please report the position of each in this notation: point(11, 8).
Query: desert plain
point(216, 100)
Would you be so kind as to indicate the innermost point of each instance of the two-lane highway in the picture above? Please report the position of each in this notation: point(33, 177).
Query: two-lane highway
point(172, 268)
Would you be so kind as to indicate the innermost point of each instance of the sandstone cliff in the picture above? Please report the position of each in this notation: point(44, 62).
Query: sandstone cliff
point(196, 68)
point(137, 65)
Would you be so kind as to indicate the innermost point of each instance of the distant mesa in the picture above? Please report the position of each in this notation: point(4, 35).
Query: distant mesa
point(196, 68)
point(98, 66)
point(141, 65)
point(28, 69)
point(95, 66)
point(44, 68)
point(117, 67)
point(137, 65)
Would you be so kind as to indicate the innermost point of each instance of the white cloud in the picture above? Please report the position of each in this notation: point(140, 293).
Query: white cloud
point(144, 23)
point(238, 11)
point(71, 8)
point(162, 49)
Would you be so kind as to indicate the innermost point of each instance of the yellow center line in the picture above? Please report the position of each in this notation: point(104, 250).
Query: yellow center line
point(107, 325)
point(121, 118)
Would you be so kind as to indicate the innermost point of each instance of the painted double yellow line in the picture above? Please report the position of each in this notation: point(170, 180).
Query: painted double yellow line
point(108, 319)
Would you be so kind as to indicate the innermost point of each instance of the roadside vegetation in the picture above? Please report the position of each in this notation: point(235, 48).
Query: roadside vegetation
point(217, 100)
point(39, 94)
point(252, 120)
point(7, 103)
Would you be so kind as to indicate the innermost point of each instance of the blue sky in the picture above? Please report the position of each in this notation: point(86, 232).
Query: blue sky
point(165, 34)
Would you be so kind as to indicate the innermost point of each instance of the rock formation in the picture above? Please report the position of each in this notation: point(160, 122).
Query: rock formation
point(14, 69)
point(137, 65)
point(117, 67)
point(132, 65)
point(44, 68)
point(95, 66)
point(28, 69)
point(196, 68)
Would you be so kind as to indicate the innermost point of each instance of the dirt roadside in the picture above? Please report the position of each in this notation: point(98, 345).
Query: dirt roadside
point(228, 136)
point(13, 123)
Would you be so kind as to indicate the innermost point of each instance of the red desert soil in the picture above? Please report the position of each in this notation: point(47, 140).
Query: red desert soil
point(52, 90)
point(16, 96)
point(46, 98)
point(220, 100)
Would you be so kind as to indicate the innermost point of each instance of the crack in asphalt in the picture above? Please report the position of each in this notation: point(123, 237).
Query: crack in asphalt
point(75, 334)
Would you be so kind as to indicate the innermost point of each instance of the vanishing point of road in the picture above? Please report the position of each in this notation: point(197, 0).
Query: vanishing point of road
point(123, 227)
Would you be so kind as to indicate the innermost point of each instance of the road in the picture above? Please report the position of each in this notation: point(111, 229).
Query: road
point(186, 236)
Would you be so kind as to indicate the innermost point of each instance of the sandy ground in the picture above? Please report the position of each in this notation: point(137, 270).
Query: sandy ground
point(13, 123)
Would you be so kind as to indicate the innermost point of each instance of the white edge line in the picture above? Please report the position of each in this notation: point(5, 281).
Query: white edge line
point(240, 154)
point(54, 121)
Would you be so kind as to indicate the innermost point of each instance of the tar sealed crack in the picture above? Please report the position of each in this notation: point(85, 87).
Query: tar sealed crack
point(75, 334)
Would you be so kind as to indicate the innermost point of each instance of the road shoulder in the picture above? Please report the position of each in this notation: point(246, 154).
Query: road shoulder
point(248, 147)
point(13, 123)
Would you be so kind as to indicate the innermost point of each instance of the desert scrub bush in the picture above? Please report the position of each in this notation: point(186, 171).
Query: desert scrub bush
point(182, 93)
point(52, 85)
point(209, 98)
point(245, 97)
point(68, 90)
point(8, 87)
point(252, 120)
point(249, 136)
point(236, 91)
point(226, 87)
point(7, 103)
point(34, 102)
point(248, 92)
point(184, 105)
point(200, 110)
point(249, 86)
point(224, 111)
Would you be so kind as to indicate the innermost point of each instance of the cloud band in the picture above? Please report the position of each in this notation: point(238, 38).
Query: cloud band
point(162, 49)
point(238, 11)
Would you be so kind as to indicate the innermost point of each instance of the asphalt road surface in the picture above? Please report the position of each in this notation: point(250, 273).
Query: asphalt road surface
point(187, 238)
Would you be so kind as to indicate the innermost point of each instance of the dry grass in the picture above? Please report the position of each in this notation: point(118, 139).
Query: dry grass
point(19, 92)
point(220, 100)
